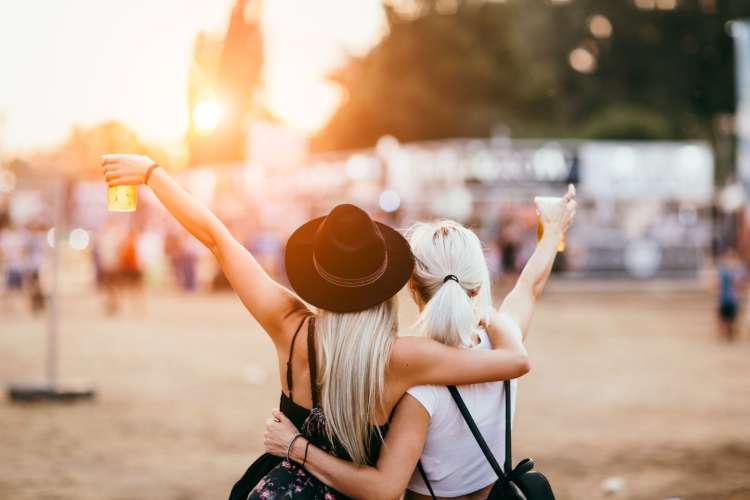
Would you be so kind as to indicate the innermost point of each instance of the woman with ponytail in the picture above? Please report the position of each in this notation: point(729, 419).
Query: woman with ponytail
point(344, 375)
point(451, 287)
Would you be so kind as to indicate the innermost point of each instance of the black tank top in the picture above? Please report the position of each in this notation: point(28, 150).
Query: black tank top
point(296, 413)
point(313, 420)
point(272, 476)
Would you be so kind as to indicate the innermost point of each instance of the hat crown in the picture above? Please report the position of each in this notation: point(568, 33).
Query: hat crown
point(348, 244)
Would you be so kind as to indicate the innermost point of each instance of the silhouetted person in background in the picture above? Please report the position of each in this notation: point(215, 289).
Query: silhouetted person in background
point(12, 260)
point(731, 274)
point(36, 245)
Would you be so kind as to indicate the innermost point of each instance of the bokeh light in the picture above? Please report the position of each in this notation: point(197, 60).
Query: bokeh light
point(207, 115)
point(582, 60)
point(600, 26)
point(79, 239)
point(389, 201)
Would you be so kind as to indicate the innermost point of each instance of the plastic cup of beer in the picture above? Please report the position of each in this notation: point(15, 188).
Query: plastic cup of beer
point(122, 198)
point(547, 201)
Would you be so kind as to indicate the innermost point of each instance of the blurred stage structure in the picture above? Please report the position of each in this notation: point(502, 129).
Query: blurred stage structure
point(645, 208)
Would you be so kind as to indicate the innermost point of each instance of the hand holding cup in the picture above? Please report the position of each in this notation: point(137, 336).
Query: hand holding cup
point(555, 215)
point(125, 169)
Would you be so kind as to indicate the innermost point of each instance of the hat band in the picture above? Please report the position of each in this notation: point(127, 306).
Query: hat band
point(351, 282)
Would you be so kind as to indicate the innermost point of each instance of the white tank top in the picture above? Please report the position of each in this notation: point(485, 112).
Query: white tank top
point(452, 459)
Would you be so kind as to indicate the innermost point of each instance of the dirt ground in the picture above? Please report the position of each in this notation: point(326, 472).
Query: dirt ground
point(630, 387)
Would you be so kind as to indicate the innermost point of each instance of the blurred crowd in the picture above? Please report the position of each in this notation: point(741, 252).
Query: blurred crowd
point(125, 255)
point(22, 255)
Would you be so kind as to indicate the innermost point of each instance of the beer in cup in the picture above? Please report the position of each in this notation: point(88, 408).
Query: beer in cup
point(547, 201)
point(122, 198)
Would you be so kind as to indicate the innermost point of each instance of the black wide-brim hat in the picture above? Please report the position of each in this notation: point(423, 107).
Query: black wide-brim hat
point(346, 262)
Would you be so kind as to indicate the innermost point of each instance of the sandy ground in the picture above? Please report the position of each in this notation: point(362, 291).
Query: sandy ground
point(627, 385)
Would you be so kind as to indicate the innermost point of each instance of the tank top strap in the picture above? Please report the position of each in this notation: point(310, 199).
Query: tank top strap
point(312, 362)
point(289, 361)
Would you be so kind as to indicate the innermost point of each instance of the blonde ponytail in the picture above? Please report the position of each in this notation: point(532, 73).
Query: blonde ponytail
point(452, 280)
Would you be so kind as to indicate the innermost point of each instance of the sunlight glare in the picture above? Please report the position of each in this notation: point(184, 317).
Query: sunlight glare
point(207, 115)
point(303, 104)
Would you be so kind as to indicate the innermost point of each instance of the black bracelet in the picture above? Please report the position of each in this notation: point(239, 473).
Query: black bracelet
point(304, 459)
point(291, 443)
point(149, 172)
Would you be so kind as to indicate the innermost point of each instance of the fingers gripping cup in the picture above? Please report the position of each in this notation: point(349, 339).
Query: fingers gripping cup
point(551, 203)
point(122, 198)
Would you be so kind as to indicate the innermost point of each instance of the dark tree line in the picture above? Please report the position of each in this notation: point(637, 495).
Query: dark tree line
point(469, 68)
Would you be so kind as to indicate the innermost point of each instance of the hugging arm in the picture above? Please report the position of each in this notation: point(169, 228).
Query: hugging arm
point(268, 302)
point(424, 361)
point(396, 463)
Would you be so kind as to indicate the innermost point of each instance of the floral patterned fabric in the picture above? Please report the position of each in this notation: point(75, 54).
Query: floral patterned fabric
point(289, 480)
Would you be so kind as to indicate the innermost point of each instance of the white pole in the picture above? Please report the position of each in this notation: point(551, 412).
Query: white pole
point(52, 318)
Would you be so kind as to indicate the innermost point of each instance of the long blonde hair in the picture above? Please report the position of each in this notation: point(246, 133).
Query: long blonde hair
point(452, 309)
point(354, 350)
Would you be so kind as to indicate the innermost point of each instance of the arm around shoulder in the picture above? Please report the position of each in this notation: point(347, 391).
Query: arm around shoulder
point(420, 361)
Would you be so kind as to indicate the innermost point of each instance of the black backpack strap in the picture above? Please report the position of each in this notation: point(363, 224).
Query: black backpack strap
point(508, 450)
point(424, 478)
point(478, 435)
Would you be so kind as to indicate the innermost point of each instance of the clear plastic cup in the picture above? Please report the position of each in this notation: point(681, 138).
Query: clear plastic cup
point(547, 201)
point(122, 198)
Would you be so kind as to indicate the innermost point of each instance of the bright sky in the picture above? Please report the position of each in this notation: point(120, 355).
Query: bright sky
point(85, 61)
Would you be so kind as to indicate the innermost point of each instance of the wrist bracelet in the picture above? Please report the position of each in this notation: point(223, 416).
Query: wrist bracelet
point(304, 459)
point(149, 172)
point(291, 443)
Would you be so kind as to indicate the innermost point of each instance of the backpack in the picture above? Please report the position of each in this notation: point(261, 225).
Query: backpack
point(521, 483)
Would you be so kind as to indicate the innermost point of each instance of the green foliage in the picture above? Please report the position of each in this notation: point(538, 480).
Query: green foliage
point(627, 123)
point(462, 68)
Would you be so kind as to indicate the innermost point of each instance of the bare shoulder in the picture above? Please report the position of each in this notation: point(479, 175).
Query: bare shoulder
point(288, 324)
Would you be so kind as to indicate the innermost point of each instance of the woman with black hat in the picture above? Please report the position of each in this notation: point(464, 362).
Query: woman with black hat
point(451, 287)
point(342, 380)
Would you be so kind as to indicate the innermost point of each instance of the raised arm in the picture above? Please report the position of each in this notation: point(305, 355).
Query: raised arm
point(419, 361)
point(396, 463)
point(519, 303)
point(268, 302)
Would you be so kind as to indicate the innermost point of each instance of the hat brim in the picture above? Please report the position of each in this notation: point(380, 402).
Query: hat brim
point(315, 290)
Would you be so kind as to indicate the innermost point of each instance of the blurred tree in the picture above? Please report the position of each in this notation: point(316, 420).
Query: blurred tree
point(451, 68)
point(627, 123)
point(223, 78)
point(80, 155)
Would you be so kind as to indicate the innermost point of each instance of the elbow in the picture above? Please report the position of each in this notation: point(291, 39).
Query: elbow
point(386, 491)
point(523, 365)
point(390, 494)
